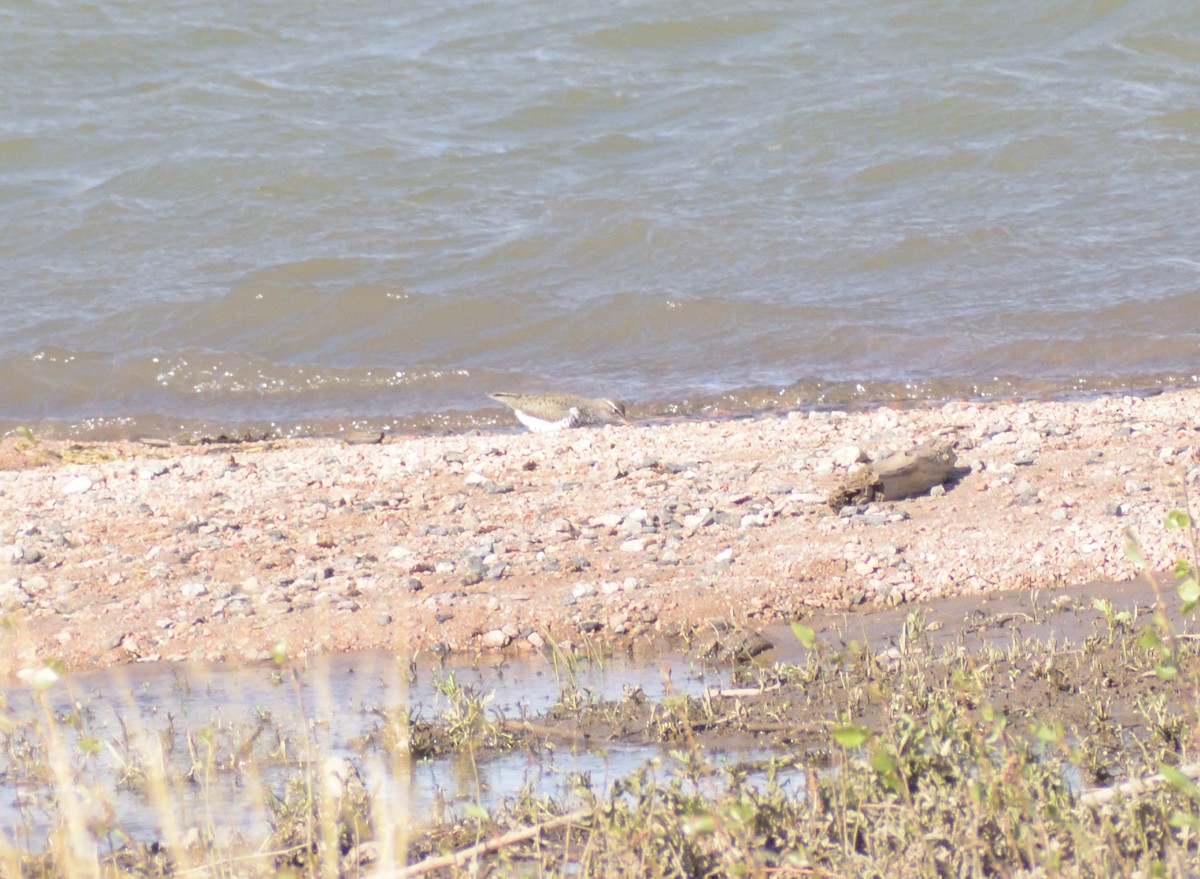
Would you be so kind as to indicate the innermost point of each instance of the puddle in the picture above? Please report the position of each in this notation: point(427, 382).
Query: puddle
point(327, 706)
point(114, 720)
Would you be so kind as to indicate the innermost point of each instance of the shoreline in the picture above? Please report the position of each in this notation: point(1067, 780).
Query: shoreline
point(472, 413)
point(114, 552)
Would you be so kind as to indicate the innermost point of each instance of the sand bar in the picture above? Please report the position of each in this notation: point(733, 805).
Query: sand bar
point(123, 552)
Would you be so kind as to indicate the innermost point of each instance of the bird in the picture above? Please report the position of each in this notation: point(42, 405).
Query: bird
point(547, 413)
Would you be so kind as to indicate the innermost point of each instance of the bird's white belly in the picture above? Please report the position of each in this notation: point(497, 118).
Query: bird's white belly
point(541, 425)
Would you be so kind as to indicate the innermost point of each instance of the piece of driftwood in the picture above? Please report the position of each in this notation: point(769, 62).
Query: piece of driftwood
point(495, 844)
point(1136, 787)
point(904, 474)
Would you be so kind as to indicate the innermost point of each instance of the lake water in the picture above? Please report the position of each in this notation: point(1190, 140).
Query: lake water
point(300, 217)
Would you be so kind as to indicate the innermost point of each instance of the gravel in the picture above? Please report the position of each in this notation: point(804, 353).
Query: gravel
point(316, 543)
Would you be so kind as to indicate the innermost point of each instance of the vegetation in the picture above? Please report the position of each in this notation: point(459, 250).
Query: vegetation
point(1031, 758)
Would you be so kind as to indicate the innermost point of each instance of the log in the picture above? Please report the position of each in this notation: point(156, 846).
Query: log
point(902, 475)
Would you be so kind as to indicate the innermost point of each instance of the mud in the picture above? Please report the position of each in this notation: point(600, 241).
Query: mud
point(486, 729)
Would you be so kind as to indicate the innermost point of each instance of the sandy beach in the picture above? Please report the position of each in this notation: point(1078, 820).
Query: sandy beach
point(137, 551)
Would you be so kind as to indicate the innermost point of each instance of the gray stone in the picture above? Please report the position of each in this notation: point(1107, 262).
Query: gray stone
point(193, 590)
point(35, 585)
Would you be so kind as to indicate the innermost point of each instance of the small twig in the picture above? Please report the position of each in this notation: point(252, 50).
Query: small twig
point(739, 694)
point(495, 844)
point(1134, 788)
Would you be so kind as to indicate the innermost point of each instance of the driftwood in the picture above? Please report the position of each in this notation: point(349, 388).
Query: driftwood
point(495, 844)
point(904, 474)
point(1136, 787)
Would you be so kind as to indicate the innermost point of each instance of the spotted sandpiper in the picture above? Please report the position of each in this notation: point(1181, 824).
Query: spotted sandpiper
point(546, 413)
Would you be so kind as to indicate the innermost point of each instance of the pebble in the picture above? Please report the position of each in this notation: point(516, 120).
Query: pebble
point(12, 595)
point(496, 639)
point(847, 456)
point(36, 584)
point(561, 525)
point(78, 485)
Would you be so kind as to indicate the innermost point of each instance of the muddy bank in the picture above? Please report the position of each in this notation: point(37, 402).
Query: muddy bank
point(1046, 701)
point(125, 552)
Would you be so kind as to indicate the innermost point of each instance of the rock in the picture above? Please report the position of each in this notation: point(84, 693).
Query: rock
point(35, 585)
point(902, 475)
point(848, 455)
point(78, 485)
point(12, 596)
point(562, 525)
point(193, 590)
point(496, 639)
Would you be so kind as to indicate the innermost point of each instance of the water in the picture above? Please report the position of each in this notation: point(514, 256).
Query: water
point(222, 217)
point(336, 706)
point(333, 706)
